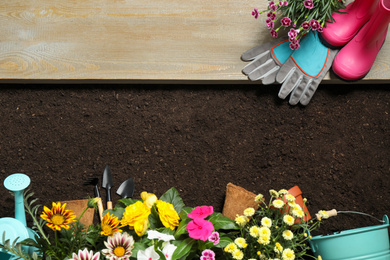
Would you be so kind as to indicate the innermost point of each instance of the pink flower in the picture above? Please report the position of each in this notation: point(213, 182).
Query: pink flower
point(306, 26)
point(308, 4)
point(270, 25)
point(201, 212)
point(294, 45)
point(207, 254)
point(285, 3)
point(320, 29)
point(255, 13)
point(214, 237)
point(292, 34)
point(274, 33)
point(273, 7)
point(314, 24)
point(271, 15)
point(286, 22)
point(200, 229)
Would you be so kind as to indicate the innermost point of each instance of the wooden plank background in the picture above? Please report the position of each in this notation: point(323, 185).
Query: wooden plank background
point(135, 41)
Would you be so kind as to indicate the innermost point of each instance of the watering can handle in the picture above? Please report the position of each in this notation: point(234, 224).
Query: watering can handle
point(331, 213)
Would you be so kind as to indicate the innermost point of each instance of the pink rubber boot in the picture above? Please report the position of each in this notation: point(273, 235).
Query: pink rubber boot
point(355, 59)
point(345, 26)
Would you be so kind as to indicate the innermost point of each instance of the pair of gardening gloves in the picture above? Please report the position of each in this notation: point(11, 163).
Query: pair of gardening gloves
point(299, 71)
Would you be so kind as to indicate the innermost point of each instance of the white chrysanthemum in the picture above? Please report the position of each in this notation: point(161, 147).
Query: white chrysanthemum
point(273, 193)
point(237, 254)
point(323, 214)
point(240, 242)
point(283, 191)
point(298, 213)
point(264, 240)
point(288, 219)
point(278, 248)
point(254, 231)
point(265, 231)
point(241, 220)
point(230, 248)
point(290, 197)
point(118, 246)
point(249, 212)
point(266, 222)
point(288, 234)
point(259, 197)
point(278, 203)
point(288, 254)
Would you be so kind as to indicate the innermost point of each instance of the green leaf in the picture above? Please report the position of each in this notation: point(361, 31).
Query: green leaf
point(172, 196)
point(184, 212)
point(117, 211)
point(126, 202)
point(154, 219)
point(221, 222)
point(183, 249)
point(223, 242)
point(182, 228)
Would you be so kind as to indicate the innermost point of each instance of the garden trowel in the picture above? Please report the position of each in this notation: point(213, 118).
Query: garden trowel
point(126, 189)
point(107, 184)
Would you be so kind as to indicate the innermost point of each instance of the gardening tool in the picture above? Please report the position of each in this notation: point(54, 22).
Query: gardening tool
point(126, 189)
point(107, 184)
point(366, 243)
point(16, 228)
point(95, 181)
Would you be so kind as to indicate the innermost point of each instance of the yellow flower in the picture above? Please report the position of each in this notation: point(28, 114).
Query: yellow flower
point(259, 197)
point(148, 198)
point(319, 257)
point(58, 217)
point(264, 240)
point(288, 254)
point(266, 222)
point(237, 254)
point(241, 220)
point(92, 202)
point(288, 234)
point(230, 248)
point(273, 193)
point(278, 203)
point(135, 216)
point(241, 242)
point(288, 219)
point(254, 231)
point(278, 248)
point(283, 191)
point(298, 213)
point(323, 214)
point(265, 231)
point(249, 212)
point(168, 214)
point(290, 197)
point(109, 225)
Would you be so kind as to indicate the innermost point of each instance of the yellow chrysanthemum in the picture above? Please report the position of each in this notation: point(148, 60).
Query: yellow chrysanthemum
point(241, 220)
point(323, 214)
point(136, 217)
point(266, 222)
point(273, 193)
point(109, 225)
point(237, 254)
point(278, 248)
point(58, 217)
point(283, 191)
point(168, 214)
point(230, 248)
point(148, 198)
point(288, 234)
point(288, 219)
point(265, 231)
point(249, 212)
point(298, 213)
point(290, 197)
point(264, 240)
point(254, 231)
point(240, 242)
point(278, 203)
point(288, 254)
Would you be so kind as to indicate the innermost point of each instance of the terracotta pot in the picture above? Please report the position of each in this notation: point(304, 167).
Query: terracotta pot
point(78, 207)
point(297, 193)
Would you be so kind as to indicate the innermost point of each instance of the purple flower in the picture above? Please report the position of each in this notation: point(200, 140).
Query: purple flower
point(214, 237)
point(255, 13)
point(286, 22)
point(294, 46)
point(321, 29)
point(273, 7)
point(306, 26)
point(274, 33)
point(271, 3)
point(271, 15)
point(308, 4)
point(207, 254)
point(314, 24)
point(270, 25)
point(268, 20)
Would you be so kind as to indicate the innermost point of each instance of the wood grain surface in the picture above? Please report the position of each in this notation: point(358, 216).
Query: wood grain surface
point(135, 41)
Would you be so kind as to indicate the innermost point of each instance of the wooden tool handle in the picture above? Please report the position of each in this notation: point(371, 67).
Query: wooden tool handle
point(109, 204)
point(100, 209)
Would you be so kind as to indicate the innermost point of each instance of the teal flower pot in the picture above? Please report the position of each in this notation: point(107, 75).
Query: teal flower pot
point(367, 243)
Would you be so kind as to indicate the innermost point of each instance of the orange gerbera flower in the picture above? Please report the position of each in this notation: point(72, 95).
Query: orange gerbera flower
point(109, 225)
point(58, 217)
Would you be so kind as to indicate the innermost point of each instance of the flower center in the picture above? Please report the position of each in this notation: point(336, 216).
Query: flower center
point(58, 219)
point(119, 251)
point(107, 230)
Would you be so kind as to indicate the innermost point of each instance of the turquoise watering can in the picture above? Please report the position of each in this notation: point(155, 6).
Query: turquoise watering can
point(16, 228)
point(366, 243)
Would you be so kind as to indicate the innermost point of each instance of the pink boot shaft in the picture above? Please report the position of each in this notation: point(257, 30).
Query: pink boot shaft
point(346, 26)
point(356, 58)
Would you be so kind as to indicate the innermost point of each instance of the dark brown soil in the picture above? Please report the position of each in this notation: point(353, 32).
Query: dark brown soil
point(199, 138)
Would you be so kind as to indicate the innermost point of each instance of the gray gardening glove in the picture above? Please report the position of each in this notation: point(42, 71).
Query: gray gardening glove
point(266, 60)
point(303, 71)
